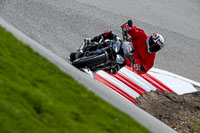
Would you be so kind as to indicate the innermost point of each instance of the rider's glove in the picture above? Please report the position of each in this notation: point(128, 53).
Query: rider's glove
point(127, 26)
point(85, 43)
point(139, 68)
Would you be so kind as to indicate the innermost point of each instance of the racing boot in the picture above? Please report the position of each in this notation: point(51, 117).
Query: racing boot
point(79, 53)
point(84, 45)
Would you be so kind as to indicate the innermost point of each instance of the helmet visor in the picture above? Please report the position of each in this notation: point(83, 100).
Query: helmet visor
point(155, 46)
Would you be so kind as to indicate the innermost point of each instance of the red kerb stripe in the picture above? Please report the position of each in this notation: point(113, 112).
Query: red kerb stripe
point(130, 68)
point(129, 83)
point(159, 82)
point(152, 80)
point(114, 87)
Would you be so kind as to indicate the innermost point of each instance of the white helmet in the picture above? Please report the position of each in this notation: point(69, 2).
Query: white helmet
point(154, 43)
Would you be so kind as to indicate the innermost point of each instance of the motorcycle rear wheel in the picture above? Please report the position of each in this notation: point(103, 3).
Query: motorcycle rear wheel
point(89, 61)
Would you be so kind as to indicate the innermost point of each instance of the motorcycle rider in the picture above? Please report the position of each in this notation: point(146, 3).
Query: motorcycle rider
point(145, 47)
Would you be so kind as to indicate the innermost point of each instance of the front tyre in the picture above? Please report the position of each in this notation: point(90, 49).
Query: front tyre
point(89, 61)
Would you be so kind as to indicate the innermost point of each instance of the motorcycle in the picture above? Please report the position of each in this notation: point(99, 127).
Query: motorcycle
point(107, 55)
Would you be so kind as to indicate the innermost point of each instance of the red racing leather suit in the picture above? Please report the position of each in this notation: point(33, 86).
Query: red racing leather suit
point(141, 56)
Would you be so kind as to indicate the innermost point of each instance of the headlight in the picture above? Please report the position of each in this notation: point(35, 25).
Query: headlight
point(116, 47)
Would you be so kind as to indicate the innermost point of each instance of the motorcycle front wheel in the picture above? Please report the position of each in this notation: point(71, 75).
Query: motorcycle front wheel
point(89, 61)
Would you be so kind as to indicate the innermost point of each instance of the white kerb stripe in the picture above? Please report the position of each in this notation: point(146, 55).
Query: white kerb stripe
point(177, 85)
point(156, 70)
point(137, 79)
point(118, 83)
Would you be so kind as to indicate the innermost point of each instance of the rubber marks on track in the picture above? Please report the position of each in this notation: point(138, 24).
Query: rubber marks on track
point(131, 85)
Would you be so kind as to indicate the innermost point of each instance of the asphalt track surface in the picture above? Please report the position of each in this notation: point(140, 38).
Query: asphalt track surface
point(61, 25)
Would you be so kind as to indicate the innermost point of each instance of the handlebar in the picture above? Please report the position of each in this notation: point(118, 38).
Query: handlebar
point(125, 27)
point(125, 37)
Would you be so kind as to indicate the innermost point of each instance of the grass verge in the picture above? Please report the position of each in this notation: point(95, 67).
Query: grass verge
point(37, 97)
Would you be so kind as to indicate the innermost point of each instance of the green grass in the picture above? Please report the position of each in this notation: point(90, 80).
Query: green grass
point(37, 97)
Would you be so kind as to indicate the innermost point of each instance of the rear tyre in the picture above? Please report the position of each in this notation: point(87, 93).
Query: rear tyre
point(89, 61)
